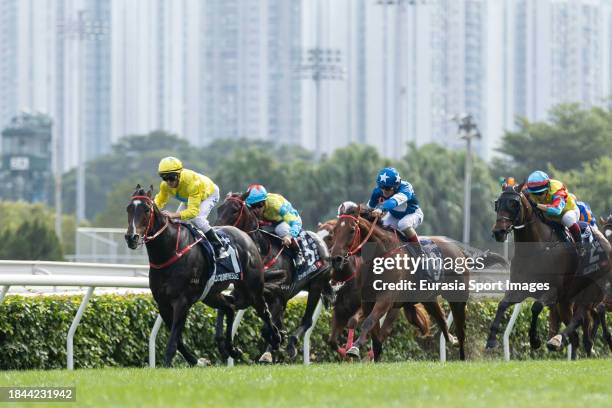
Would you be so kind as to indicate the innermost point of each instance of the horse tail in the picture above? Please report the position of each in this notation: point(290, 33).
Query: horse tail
point(418, 316)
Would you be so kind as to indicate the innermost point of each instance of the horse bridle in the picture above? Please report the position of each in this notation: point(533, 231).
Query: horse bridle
point(146, 238)
point(355, 246)
point(241, 213)
point(512, 195)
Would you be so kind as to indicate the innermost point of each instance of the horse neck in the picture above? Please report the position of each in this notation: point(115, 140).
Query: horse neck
point(534, 230)
point(382, 239)
point(163, 246)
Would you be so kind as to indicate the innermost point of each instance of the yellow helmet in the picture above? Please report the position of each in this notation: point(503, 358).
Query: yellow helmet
point(170, 165)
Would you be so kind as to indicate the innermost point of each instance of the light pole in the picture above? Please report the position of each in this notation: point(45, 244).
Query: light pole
point(320, 64)
point(82, 29)
point(467, 131)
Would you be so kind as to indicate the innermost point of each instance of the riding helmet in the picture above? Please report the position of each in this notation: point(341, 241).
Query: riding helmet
point(537, 182)
point(388, 177)
point(257, 193)
point(170, 165)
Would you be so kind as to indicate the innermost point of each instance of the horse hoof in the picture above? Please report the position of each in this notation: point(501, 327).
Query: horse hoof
point(291, 351)
point(453, 340)
point(369, 358)
point(235, 353)
point(266, 358)
point(491, 344)
point(535, 343)
point(555, 343)
point(353, 352)
point(203, 362)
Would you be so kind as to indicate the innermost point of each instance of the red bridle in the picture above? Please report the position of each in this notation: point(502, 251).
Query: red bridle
point(357, 237)
point(241, 213)
point(146, 238)
point(178, 253)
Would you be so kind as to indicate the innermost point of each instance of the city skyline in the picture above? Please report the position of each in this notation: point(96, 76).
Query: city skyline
point(394, 71)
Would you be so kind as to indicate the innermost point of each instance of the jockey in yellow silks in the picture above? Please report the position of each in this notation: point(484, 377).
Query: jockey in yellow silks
point(197, 194)
point(278, 210)
point(552, 197)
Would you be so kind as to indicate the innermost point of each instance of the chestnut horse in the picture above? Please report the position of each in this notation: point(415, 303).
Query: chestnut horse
point(346, 312)
point(351, 233)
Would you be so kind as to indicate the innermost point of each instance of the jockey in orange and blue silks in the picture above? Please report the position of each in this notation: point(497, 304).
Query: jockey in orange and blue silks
point(552, 197)
point(586, 214)
point(277, 209)
point(398, 199)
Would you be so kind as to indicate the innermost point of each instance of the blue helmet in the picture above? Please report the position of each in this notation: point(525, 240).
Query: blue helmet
point(538, 182)
point(257, 193)
point(388, 177)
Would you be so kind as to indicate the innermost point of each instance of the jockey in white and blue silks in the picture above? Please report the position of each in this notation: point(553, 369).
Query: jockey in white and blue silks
point(398, 199)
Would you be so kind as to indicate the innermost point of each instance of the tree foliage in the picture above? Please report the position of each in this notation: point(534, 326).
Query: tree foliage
point(572, 136)
point(32, 240)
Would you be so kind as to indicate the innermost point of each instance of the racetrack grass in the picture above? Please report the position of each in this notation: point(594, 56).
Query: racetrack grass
point(456, 384)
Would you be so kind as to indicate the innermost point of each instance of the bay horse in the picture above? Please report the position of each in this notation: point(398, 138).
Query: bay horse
point(541, 256)
point(178, 276)
point(346, 312)
point(382, 243)
point(606, 305)
point(279, 269)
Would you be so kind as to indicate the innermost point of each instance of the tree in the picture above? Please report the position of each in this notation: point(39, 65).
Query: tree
point(592, 184)
point(571, 137)
point(32, 240)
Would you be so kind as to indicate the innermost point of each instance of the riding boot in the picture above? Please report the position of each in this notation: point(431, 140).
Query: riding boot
point(414, 243)
point(575, 231)
point(218, 245)
point(296, 254)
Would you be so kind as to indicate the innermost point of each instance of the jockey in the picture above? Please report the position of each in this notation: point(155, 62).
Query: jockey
point(586, 214)
point(506, 182)
point(397, 197)
point(276, 209)
point(552, 197)
point(196, 192)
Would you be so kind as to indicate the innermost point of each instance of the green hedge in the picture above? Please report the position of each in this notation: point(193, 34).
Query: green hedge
point(114, 331)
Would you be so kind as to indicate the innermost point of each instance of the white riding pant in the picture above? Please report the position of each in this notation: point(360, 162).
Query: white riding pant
point(570, 217)
point(206, 206)
point(282, 229)
point(407, 221)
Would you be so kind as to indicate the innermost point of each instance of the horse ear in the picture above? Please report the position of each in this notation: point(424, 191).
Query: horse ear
point(520, 187)
point(150, 192)
point(244, 195)
point(138, 186)
point(602, 220)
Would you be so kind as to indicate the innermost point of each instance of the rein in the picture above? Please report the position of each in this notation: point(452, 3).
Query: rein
point(357, 236)
point(177, 253)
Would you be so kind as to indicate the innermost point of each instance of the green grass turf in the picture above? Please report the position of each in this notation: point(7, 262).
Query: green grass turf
point(478, 384)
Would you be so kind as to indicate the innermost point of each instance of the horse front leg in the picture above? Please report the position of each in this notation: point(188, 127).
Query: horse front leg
point(558, 342)
point(534, 339)
point(314, 295)
point(180, 307)
point(380, 308)
point(499, 315)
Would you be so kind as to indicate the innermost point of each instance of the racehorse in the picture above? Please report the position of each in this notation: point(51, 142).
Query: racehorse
point(541, 256)
point(346, 312)
point(348, 241)
point(279, 269)
point(606, 305)
point(179, 276)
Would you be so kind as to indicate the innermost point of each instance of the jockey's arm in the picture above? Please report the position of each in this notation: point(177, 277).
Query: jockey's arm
point(161, 198)
point(193, 207)
point(373, 201)
point(556, 207)
point(291, 217)
point(395, 201)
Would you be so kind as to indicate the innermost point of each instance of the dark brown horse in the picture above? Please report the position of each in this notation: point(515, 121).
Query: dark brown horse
point(352, 233)
point(347, 313)
point(542, 257)
point(178, 276)
point(606, 305)
point(279, 270)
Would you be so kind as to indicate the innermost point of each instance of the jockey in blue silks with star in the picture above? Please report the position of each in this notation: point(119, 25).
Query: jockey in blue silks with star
point(397, 198)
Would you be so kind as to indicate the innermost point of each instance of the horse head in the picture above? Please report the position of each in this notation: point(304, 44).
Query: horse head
point(234, 211)
point(511, 208)
point(606, 226)
point(140, 213)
